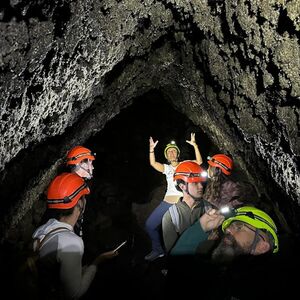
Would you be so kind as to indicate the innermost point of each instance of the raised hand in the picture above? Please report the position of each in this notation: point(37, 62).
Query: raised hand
point(152, 144)
point(211, 220)
point(192, 141)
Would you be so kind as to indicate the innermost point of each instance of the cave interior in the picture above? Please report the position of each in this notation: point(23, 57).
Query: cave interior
point(110, 74)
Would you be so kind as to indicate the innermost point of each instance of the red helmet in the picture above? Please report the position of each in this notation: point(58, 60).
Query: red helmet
point(189, 171)
point(79, 153)
point(222, 161)
point(65, 190)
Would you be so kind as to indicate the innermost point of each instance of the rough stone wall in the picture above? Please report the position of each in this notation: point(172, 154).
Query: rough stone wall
point(232, 67)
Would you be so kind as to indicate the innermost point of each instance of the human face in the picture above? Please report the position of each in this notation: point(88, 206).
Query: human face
point(195, 189)
point(87, 166)
point(238, 240)
point(243, 233)
point(172, 154)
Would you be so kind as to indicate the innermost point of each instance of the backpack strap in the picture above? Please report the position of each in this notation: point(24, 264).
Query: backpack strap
point(38, 244)
point(30, 263)
point(174, 216)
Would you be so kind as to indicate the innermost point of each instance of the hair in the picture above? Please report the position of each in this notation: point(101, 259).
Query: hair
point(221, 190)
point(72, 168)
point(213, 189)
point(58, 213)
point(179, 181)
point(55, 213)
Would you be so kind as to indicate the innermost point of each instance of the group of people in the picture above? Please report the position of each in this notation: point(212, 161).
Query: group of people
point(190, 220)
point(191, 213)
point(212, 230)
point(58, 242)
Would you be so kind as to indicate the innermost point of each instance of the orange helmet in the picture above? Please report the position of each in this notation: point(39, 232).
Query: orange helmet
point(189, 171)
point(79, 153)
point(222, 161)
point(65, 190)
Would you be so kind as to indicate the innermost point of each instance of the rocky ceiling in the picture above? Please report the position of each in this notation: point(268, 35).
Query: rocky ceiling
point(68, 67)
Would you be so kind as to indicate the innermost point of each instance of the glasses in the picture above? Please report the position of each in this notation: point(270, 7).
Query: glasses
point(239, 226)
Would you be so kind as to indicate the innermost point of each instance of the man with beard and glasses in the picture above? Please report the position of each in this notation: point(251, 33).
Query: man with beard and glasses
point(248, 231)
point(249, 238)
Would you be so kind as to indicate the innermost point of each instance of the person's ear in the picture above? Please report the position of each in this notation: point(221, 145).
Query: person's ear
point(262, 247)
point(182, 186)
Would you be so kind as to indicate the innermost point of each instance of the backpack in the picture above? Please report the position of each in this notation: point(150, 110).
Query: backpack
point(27, 274)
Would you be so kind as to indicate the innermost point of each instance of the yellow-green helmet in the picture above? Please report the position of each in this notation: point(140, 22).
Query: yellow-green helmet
point(172, 144)
point(256, 218)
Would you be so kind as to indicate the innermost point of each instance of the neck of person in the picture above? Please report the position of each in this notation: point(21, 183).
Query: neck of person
point(174, 163)
point(71, 219)
point(191, 202)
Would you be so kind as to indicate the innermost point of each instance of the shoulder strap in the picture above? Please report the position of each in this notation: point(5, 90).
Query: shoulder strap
point(30, 262)
point(39, 244)
point(174, 216)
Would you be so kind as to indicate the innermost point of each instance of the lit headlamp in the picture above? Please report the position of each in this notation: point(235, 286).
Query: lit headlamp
point(227, 211)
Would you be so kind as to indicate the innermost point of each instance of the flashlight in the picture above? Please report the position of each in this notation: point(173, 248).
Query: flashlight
point(227, 211)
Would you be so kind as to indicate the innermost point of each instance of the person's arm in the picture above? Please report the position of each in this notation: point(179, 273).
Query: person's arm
point(156, 165)
point(74, 281)
point(105, 256)
point(198, 156)
point(170, 234)
point(190, 239)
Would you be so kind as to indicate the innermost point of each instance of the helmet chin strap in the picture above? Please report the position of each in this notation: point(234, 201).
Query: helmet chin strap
point(79, 222)
point(255, 242)
point(87, 171)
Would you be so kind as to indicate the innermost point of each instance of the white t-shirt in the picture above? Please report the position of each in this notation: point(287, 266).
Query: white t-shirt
point(66, 248)
point(171, 188)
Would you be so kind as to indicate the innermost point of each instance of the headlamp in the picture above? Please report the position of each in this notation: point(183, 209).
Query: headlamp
point(227, 211)
point(204, 174)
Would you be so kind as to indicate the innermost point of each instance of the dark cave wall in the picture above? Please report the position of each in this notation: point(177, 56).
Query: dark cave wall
point(67, 67)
